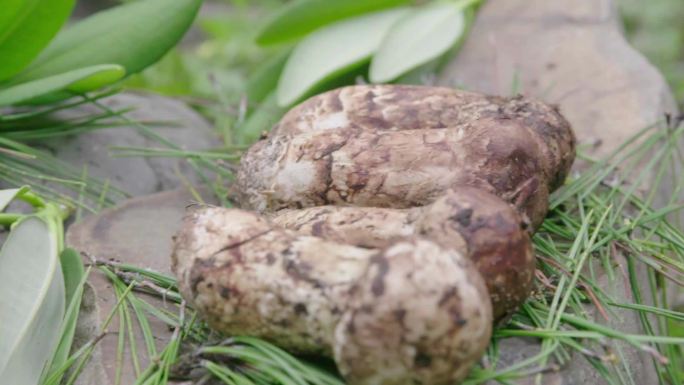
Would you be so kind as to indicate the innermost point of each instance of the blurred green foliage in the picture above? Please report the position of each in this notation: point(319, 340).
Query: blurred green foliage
point(41, 66)
point(235, 66)
point(223, 46)
point(656, 28)
point(211, 68)
point(216, 58)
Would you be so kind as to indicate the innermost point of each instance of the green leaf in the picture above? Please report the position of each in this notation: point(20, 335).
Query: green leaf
point(298, 18)
point(26, 27)
point(74, 282)
point(76, 81)
point(265, 77)
point(73, 271)
point(7, 196)
point(260, 121)
point(133, 35)
point(331, 51)
point(419, 38)
point(32, 300)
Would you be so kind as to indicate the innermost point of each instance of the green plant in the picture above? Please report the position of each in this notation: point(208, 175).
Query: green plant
point(45, 282)
point(93, 53)
point(301, 48)
point(395, 42)
point(44, 70)
point(383, 41)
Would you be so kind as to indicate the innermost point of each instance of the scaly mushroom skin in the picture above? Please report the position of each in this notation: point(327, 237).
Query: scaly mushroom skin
point(402, 146)
point(369, 227)
point(477, 224)
point(396, 169)
point(397, 107)
point(416, 317)
point(410, 313)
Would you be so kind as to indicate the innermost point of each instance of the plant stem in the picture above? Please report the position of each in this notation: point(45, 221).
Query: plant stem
point(32, 199)
point(8, 219)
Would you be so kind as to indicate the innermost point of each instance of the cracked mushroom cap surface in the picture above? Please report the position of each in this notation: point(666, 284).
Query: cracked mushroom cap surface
point(246, 277)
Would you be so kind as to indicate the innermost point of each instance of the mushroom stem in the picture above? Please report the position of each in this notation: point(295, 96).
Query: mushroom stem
point(411, 312)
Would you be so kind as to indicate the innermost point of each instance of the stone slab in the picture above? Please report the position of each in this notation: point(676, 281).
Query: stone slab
point(172, 120)
point(137, 232)
point(567, 52)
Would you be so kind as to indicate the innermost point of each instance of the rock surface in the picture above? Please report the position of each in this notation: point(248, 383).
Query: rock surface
point(571, 53)
point(169, 118)
point(115, 233)
point(137, 232)
point(567, 52)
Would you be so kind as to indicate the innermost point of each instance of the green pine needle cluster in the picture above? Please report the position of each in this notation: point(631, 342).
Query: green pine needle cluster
point(24, 164)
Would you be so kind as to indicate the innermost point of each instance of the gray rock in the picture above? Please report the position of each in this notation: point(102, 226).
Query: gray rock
point(571, 53)
point(169, 118)
point(567, 52)
point(136, 232)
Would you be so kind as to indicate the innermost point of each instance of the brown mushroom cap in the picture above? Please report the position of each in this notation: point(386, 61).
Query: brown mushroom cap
point(496, 240)
point(397, 169)
point(410, 107)
point(420, 315)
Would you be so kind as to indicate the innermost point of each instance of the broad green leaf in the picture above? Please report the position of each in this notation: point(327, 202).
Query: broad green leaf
point(133, 35)
point(74, 281)
point(26, 27)
point(265, 77)
point(32, 300)
point(303, 16)
point(260, 121)
point(419, 38)
point(7, 196)
point(76, 81)
point(331, 51)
